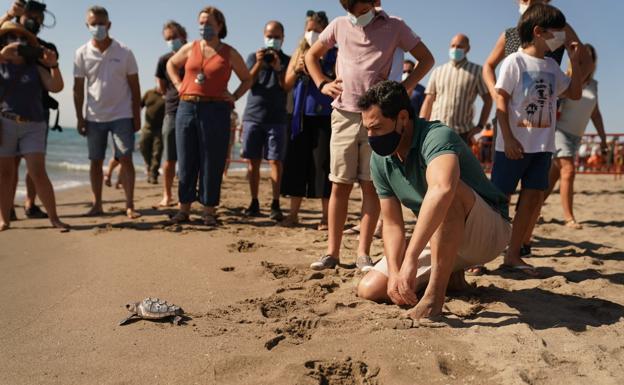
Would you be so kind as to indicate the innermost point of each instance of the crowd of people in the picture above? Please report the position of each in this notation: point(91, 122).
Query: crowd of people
point(346, 108)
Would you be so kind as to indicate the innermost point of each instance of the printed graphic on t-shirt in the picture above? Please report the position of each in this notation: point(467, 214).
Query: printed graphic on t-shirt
point(538, 88)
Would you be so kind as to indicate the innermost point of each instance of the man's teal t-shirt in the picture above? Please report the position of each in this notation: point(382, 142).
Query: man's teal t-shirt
point(407, 181)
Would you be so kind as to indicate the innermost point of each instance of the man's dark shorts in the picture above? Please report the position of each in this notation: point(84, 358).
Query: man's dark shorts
point(168, 137)
point(262, 140)
point(532, 169)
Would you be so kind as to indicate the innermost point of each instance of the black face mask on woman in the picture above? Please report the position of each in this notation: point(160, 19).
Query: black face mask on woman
point(386, 144)
point(32, 26)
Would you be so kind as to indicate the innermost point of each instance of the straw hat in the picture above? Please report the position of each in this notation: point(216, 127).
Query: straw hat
point(18, 29)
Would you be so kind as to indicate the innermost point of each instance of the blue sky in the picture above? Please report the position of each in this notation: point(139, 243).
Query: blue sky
point(138, 23)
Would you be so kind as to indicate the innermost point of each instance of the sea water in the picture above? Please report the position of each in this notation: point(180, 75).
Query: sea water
point(67, 161)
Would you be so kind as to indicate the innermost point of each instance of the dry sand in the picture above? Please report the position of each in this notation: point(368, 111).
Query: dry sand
point(257, 315)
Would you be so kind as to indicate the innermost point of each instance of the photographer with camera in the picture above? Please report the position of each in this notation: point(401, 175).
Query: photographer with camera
point(31, 15)
point(27, 70)
point(264, 121)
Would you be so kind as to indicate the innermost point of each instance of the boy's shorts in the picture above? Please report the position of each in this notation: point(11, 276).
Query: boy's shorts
point(349, 151)
point(532, 169)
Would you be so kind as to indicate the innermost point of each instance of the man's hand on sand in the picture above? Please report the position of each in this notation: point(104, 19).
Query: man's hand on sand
point(393, 290)
point(407, 286)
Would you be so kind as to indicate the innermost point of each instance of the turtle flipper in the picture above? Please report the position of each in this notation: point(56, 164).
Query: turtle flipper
point(176, 320)
point(125, 320)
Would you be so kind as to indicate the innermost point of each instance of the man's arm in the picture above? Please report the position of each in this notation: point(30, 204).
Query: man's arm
point(427, 106)
point(442, 178)
point(489, 67)
point(485, 110)
point(424, 64)
point(332, 88)
point(394, 243)
point(161, 85)
point(79, 104)
point(135, 90)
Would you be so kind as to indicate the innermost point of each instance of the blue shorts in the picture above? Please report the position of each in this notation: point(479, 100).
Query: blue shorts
point(122, 131)
point(532, 169)
point(266, 141)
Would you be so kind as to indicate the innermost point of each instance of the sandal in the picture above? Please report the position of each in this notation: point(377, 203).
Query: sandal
point(179, 217)
point(209, 220)
point(573, 224)
point(322, 226)
point(352, 231)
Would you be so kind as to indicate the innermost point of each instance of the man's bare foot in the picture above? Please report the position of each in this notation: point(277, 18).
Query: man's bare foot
point(132, 214)
point(118, 185)
point(60, 225)
point(4, 226)
point(515, 264)
point(95, 211)
point(426, 308)
point(107, 181)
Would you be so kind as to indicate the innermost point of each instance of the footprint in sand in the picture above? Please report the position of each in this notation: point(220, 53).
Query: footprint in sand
point(342, 372)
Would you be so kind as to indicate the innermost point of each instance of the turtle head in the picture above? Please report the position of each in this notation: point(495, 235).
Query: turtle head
point(132, 307)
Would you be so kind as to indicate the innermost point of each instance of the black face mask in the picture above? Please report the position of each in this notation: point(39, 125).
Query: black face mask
point(386, 144)
point(32, 26)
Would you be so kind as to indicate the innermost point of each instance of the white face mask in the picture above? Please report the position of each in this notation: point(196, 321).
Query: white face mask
point(363, 20)
point(404, 76)
point(558, 39)
point(522, 8)
point(311, 37)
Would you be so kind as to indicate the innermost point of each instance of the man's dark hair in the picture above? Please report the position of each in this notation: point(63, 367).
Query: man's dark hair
point(279, 25)
point(348, 5)
point(171, 24)
point(539, 15)
point(410, 62)
point(390, 96)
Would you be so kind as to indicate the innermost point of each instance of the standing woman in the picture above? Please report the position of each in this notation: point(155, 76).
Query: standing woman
point(203, 117)
point(574, 117)
point(306, 168)
point(26, 71)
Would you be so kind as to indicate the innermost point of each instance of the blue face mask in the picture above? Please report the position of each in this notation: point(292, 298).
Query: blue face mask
point(386, 144)
point(99, 32)
point(175, 44)
point(362, 20)
point(206, 32)
point(457, 54)
point(272, 43)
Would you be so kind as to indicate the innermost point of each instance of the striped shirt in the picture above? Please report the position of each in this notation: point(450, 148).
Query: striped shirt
point(455, 86)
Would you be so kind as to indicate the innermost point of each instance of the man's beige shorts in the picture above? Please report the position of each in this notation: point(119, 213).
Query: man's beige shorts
point(486, 234)
point(349, 150)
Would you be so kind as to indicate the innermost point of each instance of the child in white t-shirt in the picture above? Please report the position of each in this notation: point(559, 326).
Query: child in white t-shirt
point(528, 87)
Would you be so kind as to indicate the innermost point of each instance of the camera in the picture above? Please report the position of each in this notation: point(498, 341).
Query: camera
point(269, 55)
point(29, 53)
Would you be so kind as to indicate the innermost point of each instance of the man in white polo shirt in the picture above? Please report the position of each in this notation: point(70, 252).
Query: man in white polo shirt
point(113, 104)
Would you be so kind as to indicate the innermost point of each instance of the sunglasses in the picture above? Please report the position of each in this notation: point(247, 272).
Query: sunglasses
point(320, 14)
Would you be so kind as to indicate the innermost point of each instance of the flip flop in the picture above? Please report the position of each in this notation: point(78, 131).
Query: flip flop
point(352, 231)
point(524, 269)
point(573, 224)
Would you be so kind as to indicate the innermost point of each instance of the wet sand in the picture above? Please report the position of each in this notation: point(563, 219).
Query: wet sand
point(258, 315)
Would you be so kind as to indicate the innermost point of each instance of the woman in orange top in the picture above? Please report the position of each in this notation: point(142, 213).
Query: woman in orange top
point(203, 117)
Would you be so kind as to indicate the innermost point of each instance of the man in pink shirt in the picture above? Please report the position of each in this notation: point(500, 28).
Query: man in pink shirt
point(367, 38)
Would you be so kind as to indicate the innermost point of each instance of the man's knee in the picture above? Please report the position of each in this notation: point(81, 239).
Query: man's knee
point(373, 287)
point(126, 160)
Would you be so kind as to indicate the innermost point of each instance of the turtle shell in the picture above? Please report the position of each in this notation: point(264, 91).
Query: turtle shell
point(155, 308)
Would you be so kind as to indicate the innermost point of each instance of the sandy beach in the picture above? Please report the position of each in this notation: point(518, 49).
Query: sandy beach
point(257, 315)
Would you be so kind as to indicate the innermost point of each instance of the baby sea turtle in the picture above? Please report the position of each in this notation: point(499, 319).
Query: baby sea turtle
point(153, 308)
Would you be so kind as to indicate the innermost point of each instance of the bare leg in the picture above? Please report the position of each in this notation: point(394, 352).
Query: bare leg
point(553, 177)
point(31, 192)
point(36, 169)
point(15, 179)
point(7, 176)
point(295, 206)
point(276, 178)
point(112, 164)
point(370, 214)
point(566, 188)
point(529, 201)
point(169, 174)
point(127, 176)
point(325, 210)
point(95, 173)
point(338, 207)
point(253, 174)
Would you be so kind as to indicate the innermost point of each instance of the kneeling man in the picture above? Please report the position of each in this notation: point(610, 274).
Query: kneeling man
point(427, 167)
